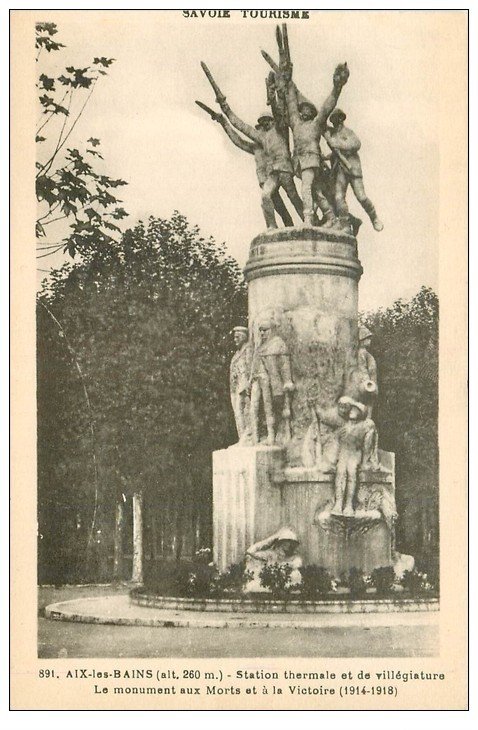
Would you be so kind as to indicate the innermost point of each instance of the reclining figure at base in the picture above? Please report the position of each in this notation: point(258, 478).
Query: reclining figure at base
point(281, 548)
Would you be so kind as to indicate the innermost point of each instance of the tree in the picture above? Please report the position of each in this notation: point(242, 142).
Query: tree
point(78, 209)
point(149, 323)
point(405, 344)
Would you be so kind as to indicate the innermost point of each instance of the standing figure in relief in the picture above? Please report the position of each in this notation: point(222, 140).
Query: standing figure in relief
point(321, 445)
point(239, 379)
point(271, 384)
point(357, 441)
point(347, 170)
point(272, 134)
point(278, 549)
point(362, 379)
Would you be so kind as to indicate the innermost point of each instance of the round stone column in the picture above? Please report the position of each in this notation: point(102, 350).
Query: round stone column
point(305, 281)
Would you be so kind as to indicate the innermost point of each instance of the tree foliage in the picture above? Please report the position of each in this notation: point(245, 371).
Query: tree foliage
point(133, 353)
point(405, 345)
point(74, 195)
point(148, 321)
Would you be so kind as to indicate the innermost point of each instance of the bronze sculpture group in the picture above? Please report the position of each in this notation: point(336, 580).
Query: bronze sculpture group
point(324, 178)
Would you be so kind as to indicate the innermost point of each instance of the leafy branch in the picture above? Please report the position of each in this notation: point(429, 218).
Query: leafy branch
point(67, 183)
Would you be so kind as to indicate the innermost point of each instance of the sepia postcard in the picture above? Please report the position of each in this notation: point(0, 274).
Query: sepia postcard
point(239, 359)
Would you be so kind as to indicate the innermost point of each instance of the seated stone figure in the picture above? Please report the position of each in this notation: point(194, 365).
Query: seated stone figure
point(280, 548)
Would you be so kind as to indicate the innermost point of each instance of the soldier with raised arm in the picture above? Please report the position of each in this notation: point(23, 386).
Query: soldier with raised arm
point(257, 150)
point(347, 169)
point(272, 136)
point(307, 124)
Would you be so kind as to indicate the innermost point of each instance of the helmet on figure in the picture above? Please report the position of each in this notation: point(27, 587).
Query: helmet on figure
point(337, 117)
point(364, 334)
point(285, 533)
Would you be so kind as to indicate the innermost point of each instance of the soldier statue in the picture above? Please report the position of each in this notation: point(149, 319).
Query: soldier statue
point(281, 548)
point(362, 378)
point(357, 442)
point(239, 379)
point(271, 384)
point(347, 169)
point(257, 150)
point(271, 133)
point(308, 124)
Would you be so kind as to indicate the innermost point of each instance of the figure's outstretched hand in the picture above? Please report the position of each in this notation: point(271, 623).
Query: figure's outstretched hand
point(341, 75)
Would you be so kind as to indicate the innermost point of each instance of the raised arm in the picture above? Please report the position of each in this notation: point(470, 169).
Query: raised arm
point(239, 124)
point(243, 144)
point(259, 549)
point(292, 99)
point(341, 76)
point(233, 118)
point(282, 76)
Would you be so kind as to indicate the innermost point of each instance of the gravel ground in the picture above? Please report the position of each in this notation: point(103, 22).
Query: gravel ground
point(64, 639)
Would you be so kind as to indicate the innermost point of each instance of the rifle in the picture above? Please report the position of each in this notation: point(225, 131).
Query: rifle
point(284, 51)
point(220, 98)
point(214, 115)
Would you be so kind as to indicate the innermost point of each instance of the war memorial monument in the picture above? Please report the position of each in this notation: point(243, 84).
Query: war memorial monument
point(306, 480)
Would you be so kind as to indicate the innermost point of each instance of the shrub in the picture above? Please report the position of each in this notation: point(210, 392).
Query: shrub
point(198, 582)
point(315, 581)
point(356, 582)
point(203, 555)
point(234, 579)
point(383, 579)
point(277, 578)
point(416, 583)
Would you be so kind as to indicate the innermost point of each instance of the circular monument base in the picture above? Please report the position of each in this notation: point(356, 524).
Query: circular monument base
point(330, 604)
point(121, 611)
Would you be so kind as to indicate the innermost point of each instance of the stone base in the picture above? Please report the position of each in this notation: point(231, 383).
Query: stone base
point(254, 496)
point(246, 500)
point(331, 604)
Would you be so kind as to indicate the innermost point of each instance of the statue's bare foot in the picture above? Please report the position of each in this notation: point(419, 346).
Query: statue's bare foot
point(270, 441)
point(377, 224)
point(348, 512)
point(336, 510)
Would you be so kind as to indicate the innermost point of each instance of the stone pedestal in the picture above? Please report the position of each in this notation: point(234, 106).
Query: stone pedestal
point(255, 494)
point(304, 283)
point(246, 500)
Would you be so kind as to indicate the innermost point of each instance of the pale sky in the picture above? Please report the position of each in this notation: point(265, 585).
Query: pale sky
point(175, 157)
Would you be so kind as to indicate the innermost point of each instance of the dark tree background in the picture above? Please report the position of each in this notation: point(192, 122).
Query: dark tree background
point(133, 352)
point(405, 345)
